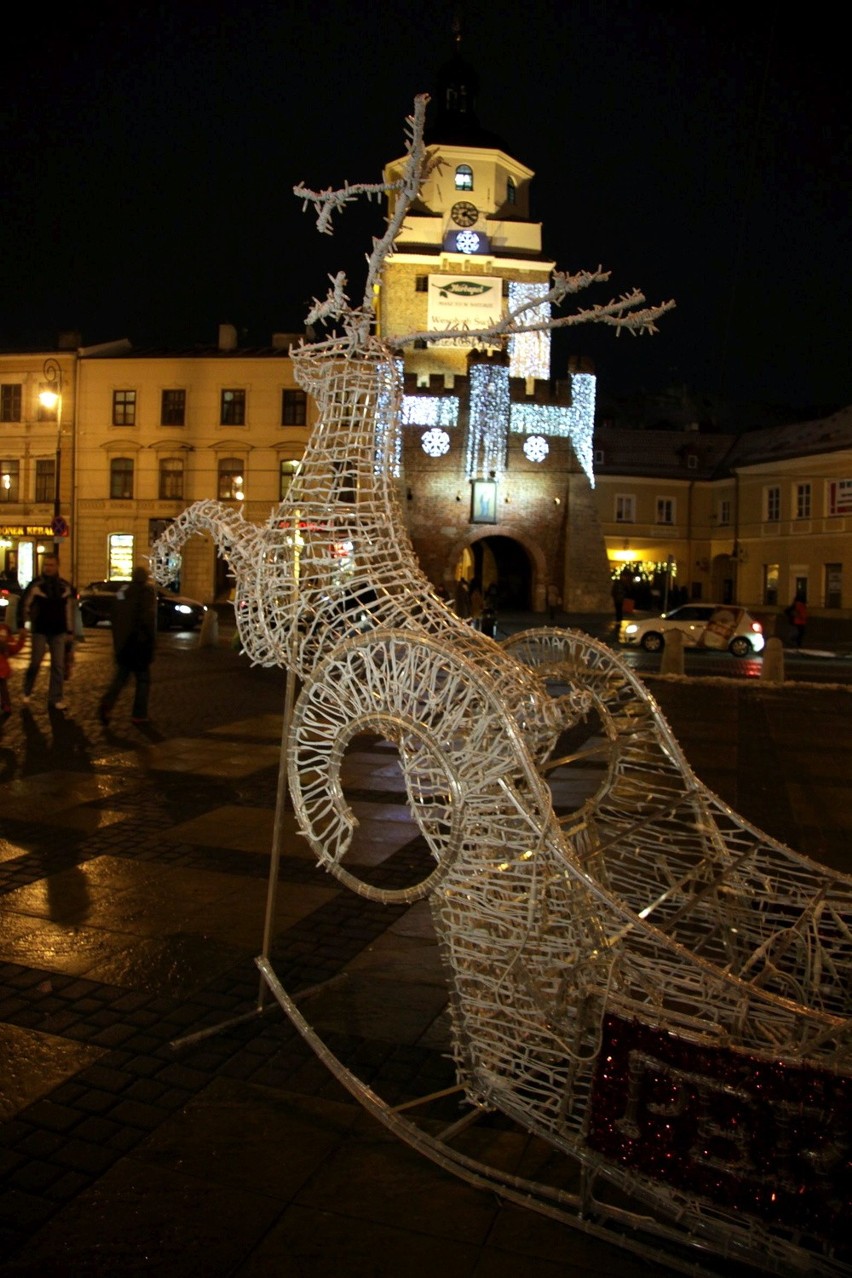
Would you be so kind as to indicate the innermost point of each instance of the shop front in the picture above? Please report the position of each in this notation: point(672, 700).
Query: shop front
point(650, 584)
point(22, 549)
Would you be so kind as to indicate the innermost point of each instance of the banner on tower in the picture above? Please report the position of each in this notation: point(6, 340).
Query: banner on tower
point(464, 301)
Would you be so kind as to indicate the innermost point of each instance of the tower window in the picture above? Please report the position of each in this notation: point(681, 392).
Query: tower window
point(464, 178)
point(421, 283)
point(511, 191)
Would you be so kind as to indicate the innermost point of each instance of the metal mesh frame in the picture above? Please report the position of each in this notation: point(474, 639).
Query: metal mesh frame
point(655, 900)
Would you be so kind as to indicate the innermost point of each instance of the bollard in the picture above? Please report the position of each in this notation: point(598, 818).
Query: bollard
point(773, 661)
point(672, 662)
point(208, 636)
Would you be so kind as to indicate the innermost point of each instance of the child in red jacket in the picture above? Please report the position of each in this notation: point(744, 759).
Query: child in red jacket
point(10, 646)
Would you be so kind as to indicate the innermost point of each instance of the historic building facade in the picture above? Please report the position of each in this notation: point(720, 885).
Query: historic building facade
point(38, 403)
point(504, 477)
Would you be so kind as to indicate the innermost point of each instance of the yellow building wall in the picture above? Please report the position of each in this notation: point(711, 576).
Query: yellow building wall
point(28, 441)
point(261, 445)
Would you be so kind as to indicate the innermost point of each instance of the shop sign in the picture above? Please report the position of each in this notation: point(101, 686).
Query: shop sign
point(26, 530)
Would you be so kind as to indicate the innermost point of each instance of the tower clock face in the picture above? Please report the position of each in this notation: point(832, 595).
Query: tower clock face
point(464, 213)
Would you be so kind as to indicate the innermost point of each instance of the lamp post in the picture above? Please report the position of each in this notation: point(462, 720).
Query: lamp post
point(51, 398)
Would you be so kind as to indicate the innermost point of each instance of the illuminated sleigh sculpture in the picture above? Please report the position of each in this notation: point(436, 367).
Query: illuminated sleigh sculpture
point(649, 984)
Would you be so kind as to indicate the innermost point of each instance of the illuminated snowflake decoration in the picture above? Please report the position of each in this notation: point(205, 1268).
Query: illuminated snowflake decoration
point(536, 448)
point(435, 443)
point(467, 241)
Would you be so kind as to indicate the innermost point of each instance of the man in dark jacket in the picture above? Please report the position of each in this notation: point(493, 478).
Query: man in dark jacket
point(49, 608)
point(134, 633)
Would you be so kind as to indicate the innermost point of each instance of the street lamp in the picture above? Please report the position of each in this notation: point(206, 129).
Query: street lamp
point(51, 399)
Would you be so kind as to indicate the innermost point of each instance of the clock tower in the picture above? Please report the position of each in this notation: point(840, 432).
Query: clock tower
point(469, 237)
point(496, 454)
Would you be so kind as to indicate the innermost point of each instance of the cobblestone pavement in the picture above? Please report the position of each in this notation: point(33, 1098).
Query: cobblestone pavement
point(133, 885)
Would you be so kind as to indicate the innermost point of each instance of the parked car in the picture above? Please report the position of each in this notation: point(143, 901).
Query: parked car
point(174, 612)
point(703, 625)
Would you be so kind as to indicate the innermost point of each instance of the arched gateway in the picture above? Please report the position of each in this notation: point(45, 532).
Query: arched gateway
point(512, 564)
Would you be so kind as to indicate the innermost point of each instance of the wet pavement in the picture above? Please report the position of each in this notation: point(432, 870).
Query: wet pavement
point(133, 885)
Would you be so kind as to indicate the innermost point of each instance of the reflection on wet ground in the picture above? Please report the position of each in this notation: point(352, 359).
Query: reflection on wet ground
point(133, 895)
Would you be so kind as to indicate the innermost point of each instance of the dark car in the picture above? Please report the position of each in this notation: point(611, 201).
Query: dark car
point(174, 612)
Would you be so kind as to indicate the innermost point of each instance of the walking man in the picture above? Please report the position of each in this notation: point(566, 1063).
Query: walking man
point(134, 634)
point(49, 608)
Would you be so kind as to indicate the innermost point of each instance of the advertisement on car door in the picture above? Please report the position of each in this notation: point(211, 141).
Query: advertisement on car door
point(720, 628)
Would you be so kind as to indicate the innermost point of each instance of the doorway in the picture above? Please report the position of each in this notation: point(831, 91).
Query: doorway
point(503, 570)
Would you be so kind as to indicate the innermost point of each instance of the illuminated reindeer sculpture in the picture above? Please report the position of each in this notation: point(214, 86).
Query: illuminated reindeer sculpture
point(650, 985)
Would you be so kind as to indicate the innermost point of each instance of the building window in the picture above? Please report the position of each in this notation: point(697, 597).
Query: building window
point(231, 479)
point(724, 511)
point(120, 557)
point(625, 509)
point(834, 585)
point(45, 480)
point(288, 471)
point(598, 457)
point(124, 408)
point(772, 504)
point(464, 178)
point(421, 283)
point(10, 481)
point(511, 191)
point(233, 408)
point(121, 478)
point(171, 478)
point(665, 510)
point(10, 402)
point(840, 497)
point(294, 408)
point(691, 461)
point(771, 573)
point(173, 408)
point(803, 501)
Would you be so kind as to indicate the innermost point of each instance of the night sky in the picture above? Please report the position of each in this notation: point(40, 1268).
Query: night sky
point(699, 152)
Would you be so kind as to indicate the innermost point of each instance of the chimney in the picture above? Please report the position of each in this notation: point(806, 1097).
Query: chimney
point(227, 337)
point(283, 341)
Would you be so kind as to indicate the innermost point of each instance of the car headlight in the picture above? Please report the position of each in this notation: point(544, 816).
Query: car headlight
point(185, 608)
point(631, 628)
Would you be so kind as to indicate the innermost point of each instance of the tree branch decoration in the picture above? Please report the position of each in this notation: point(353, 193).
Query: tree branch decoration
point(629, 311)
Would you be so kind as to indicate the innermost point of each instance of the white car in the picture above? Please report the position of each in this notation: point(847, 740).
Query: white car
point(715, 627)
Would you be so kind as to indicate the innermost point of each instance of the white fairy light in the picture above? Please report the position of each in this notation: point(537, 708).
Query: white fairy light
point(529, 353)
point(536, 448)
point(488, 420)
point(388, 440)
point(575, 422)
point(435, 443)
point(430, 410)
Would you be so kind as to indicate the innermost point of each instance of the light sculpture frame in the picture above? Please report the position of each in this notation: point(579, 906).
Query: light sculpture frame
point(652, 930)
